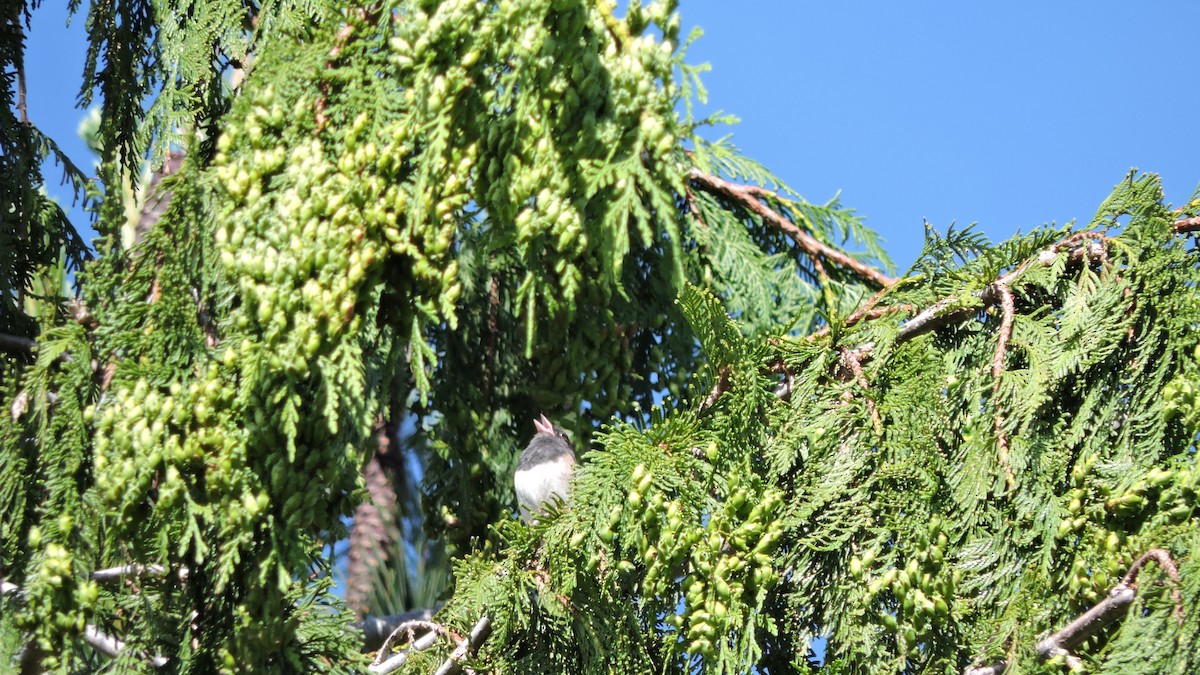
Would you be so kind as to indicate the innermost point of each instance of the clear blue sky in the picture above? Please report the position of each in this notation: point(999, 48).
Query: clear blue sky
point(1009, 115)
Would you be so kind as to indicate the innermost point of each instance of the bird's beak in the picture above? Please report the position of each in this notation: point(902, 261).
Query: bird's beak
point(543, 425)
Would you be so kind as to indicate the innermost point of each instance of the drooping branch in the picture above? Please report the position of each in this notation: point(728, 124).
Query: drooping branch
point(1112, 608)
point(750, 198)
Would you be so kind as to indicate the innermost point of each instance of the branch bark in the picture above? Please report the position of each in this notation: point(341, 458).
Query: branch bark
point(1112, 608)
point(1185, 225)
point(376, 629)
point(750, 198)
point(453, 663)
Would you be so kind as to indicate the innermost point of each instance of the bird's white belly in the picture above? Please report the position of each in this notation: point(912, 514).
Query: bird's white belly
point(535, 485)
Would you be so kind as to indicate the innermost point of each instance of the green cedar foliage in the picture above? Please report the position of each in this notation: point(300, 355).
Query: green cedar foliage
point(390, 189)
point(918, 506)
point(474, 212)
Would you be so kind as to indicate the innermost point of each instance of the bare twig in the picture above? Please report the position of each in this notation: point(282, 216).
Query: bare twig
point(750, 199)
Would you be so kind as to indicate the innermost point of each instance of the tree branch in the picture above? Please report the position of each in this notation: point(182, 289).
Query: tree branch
point(1185, 225)
point(750, 198)
point(1112, 608)
point(1008, 314)
point(452, 664)
point(98, 639)
point(15, 344)
point(111, 646)
point(376, 629)
point(479, 632)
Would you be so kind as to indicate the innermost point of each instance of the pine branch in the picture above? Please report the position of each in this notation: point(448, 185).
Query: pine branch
point(751, 199)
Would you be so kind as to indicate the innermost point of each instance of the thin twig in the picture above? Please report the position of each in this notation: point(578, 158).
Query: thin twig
point(749, 198)
point(718, 389)
point(851, 360)
point(479, 632)
point(1163, 558)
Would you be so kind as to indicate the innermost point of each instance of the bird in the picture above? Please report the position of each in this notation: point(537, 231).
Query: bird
point(544, 468)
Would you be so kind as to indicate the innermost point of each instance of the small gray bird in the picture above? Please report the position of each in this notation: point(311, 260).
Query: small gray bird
point(544, 468)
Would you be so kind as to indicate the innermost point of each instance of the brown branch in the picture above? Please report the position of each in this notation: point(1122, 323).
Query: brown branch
point(1112, 608)
point(852, 361)
point(1186, 225)
point(718, 389)
point(691, 202)
point(1008, 313)
point(749, 199)
point(1163, 558)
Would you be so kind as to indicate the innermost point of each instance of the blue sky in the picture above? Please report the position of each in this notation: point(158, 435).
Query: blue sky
point(1009, 115)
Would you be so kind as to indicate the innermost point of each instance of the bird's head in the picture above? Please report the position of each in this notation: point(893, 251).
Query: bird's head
point(545, 426)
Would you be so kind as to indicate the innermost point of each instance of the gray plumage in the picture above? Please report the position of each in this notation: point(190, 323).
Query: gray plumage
point(544, 468)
